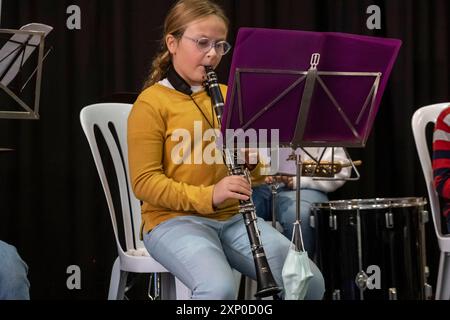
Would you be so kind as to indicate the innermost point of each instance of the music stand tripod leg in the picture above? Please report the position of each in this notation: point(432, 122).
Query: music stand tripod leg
point(298, 241)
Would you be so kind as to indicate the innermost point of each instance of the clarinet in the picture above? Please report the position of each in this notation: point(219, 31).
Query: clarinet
point(266, 285)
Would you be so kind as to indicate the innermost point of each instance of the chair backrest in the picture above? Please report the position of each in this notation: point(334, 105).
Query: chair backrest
point(421, 118)
point(111, 120)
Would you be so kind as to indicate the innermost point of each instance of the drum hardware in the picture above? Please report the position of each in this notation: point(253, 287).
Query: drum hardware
point(392, 293)
point(312, 223)
point(333, 222)
point(361, 280)
point(337, 294)
point(360, 262)
point(425, 216)
point(428, 291)
point(389, 220)
point(426, 272)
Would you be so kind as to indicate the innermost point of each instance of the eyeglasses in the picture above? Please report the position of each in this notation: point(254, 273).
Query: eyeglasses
point(205, 44)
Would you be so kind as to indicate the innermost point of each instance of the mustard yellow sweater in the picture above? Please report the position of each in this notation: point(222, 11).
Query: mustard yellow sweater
point(166, 188)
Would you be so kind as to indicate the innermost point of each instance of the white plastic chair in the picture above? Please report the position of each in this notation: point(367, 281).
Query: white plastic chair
point(111, 120)
point(420, 119)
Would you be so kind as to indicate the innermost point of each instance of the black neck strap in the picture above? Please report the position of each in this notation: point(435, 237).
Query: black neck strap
point(182, 86)
point(178, 82)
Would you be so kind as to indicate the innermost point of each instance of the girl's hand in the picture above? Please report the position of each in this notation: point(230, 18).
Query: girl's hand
point(231, 187)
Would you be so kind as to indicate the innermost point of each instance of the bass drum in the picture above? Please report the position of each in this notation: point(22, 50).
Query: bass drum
point(372, 249)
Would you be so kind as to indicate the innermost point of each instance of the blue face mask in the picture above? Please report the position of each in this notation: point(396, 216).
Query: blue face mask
point(296, 271)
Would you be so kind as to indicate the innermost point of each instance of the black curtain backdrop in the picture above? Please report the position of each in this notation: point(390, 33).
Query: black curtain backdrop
point(52, 207)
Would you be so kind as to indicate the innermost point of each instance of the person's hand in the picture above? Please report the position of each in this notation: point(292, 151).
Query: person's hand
point(270, 179)
point(231, 187)
point(287, 180)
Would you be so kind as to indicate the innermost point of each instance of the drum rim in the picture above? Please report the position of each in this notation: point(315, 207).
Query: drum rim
point(372, 203)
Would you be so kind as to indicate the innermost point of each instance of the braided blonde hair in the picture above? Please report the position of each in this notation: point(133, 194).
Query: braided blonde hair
point(179, 16)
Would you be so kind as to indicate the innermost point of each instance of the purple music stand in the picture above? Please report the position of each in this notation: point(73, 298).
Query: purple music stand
point(317, 89)
point(335, 104)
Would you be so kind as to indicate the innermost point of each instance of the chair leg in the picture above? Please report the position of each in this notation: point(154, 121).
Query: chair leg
point(443, 281)
point(168, 290)
point(118, 282)
point(250, 288)
point(183, 292)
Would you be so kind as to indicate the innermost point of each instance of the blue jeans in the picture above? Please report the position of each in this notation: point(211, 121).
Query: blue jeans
point(202, 252)
point(286, 210)
point(14, 284)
